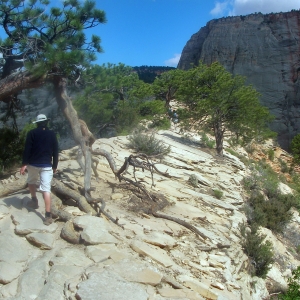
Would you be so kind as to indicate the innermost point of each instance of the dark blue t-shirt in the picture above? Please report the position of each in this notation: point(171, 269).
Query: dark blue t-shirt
point(41, 148)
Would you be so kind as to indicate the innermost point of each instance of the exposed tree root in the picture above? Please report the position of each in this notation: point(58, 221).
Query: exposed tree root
point(69, 234)
point(181, 222)
point(215, 247)
point(102, 211)
point(56, 204)
point(59, 188)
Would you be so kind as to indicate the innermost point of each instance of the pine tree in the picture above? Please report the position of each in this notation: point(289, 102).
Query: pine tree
point(221, 103)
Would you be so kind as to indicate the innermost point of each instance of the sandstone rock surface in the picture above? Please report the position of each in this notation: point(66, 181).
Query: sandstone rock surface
point(148, 257)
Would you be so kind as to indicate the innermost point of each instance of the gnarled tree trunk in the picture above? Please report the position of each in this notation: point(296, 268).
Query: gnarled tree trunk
point(219, 136)
point(65, 104)
point(16, 82)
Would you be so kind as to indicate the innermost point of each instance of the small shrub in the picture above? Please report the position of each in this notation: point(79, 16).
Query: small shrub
point(260, 252)
point(269, 208)
point(242, 158)
point(295, 183)
point(282, 178)
point(207, 142)
point(218, 194)
point(193, 180)
point(151, 108)
point(232, 152)
point(262, 178)
point(295, 148)
point(147, 144)
point(234, 141)
point(160, 123)
point(126, 118)
point(271, 154)
point(12, 145)
point(293, 291)
point(283, 166)
point(273, 213)
point(250, 148)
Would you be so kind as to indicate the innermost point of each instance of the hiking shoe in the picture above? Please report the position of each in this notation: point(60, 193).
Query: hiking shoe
point(33, 204)
point(48, 221)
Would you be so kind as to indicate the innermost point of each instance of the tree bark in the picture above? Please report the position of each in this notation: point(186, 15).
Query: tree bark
point(69, 234)
point(219, 136)
point(60, 188)
point(16, 82)
point(65, 104)
point(82, 136)
point(13, 187)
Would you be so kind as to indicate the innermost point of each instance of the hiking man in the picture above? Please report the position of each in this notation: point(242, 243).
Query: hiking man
point(40, 158)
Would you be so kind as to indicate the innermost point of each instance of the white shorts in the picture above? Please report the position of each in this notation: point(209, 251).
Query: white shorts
point(45, 175)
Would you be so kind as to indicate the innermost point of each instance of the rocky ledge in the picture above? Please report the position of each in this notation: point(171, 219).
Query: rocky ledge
point(145, 257)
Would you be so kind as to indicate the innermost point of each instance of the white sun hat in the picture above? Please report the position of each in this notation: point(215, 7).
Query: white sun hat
point(40, 118)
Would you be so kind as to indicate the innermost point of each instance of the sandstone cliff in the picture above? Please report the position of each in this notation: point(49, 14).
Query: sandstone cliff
point(265, 49)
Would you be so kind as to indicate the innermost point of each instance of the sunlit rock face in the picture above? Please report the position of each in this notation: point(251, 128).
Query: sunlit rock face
point(265, 49)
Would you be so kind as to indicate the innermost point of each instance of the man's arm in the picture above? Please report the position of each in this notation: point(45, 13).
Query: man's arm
point(23, 169)
point(26, 153)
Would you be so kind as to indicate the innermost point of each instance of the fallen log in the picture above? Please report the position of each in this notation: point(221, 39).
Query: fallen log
point(61, 189)
point(56, 204)
point(181, 222)
point(13, 187)
point(69, 234)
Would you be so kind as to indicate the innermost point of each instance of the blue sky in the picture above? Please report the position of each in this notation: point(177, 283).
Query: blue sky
point(154, 32)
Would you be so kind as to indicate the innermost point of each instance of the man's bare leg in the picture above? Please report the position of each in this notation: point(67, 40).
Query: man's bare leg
point(34, 201)
point(48, 216)
point(47, 199)
point(32, 189)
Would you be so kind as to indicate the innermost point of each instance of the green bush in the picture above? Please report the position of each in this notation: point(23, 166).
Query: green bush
point(262, 178)
point(151, 108)
point(147, 144)
point(260, 252)
point(293, 291)
point(250, 148)
point(218, 194)
point(234, 141)
point(269, 208)
point(207, 142)
point(271, 154)
point(25, 130)
point(11, 150)
point(126, 117)
point(272, 213)
point(295, 148)
point(283, 166)
point(295, 183)
point(160, 123)
point(232, 152)
point(242, 158)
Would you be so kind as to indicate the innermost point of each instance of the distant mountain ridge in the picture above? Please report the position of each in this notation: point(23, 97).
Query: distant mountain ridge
point(265, 49)
point(148, 73)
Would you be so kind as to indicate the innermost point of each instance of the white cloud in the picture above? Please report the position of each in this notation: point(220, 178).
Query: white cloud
point(173, 62)
point(220, 8)
point(244, 7)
